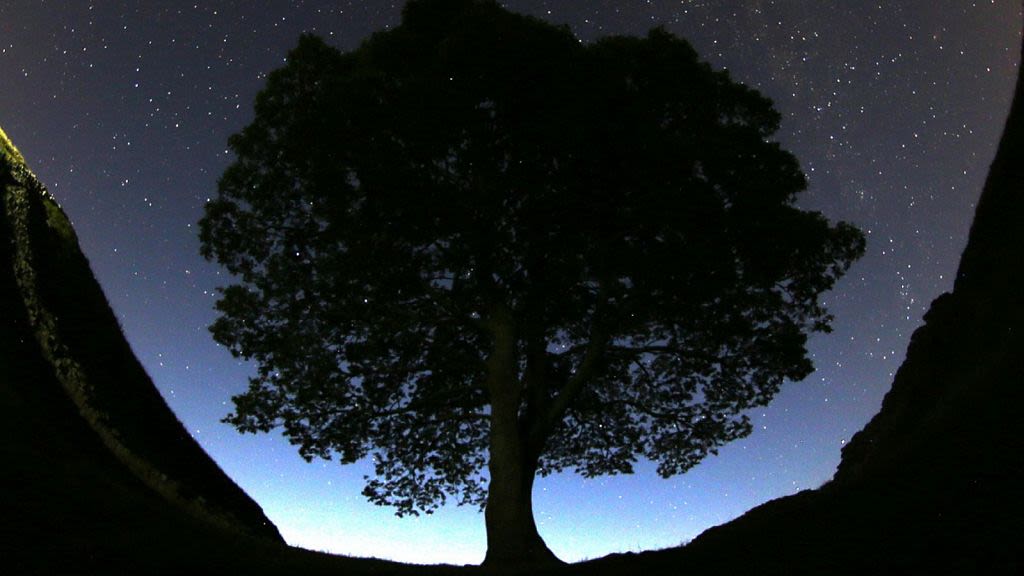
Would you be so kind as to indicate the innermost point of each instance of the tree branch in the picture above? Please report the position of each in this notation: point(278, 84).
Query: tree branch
point(641, 349)
point(535, 379)
point(431, 417)
point(596, 346)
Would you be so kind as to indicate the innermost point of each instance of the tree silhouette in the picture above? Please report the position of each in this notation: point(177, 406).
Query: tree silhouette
point(476, 250)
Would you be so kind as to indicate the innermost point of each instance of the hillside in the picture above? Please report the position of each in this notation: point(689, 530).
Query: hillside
point(93, 457)
point(98, 476)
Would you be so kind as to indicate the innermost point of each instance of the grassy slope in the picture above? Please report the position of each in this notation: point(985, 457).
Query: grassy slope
point(80, 338)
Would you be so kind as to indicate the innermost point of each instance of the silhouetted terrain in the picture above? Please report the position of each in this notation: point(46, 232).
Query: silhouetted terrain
point(99, 477)
point(97, 473)
point(55, 310)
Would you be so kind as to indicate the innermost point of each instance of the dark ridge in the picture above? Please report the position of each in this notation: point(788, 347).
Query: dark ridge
point(992, 257)
point(67, 364)
point(959, 368)
point(97, 474)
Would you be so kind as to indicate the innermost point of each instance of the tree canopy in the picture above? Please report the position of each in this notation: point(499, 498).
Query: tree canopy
point(477, 249)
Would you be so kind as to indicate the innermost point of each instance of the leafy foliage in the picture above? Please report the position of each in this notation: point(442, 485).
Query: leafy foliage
point(615, 212)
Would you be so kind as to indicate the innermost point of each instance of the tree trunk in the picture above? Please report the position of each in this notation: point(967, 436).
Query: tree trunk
point(512, 537)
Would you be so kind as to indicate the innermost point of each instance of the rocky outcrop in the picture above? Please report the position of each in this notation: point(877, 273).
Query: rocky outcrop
point(86, 440)
point(962, 371)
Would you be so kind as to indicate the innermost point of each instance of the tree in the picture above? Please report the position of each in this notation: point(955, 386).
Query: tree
point(477, 250)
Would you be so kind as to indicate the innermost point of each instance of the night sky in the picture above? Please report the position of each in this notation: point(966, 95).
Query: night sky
point(123, 109)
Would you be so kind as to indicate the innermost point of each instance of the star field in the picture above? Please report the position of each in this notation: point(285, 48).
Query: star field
point(123, 108)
